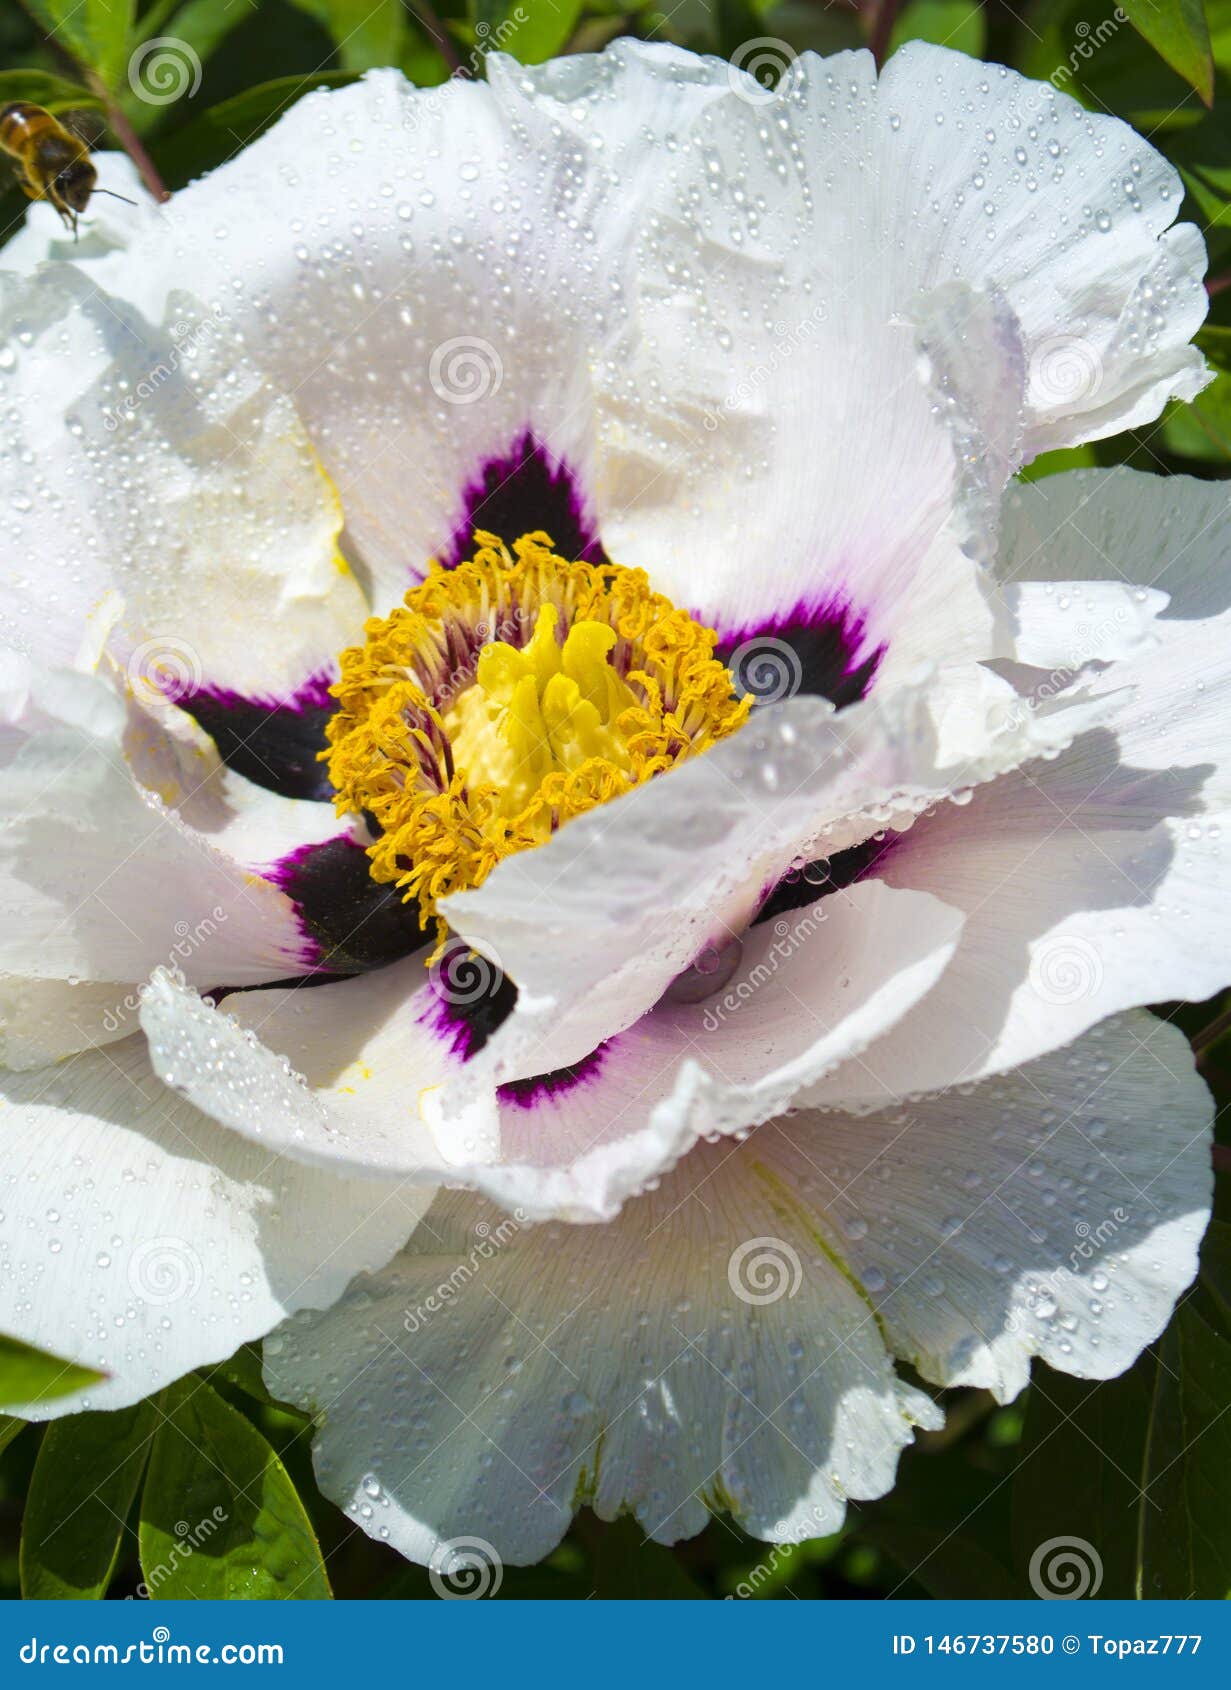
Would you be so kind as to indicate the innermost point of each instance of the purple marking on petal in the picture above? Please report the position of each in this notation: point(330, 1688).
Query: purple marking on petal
point(814, 648)
point(312, 694)
point(817, 880)
point(538, 1088)
point(353, 922)
point(524, 489)
point(464, 1028)
point(271, 741)
point(464, 1025)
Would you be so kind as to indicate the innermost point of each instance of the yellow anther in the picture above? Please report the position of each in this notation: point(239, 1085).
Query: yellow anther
point(462, 764)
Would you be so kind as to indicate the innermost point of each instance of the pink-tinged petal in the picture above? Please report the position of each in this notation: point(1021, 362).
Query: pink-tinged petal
point(350, 1075)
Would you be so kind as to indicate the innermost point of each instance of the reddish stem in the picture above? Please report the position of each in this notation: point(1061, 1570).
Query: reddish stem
point(882, 29)
point(128, 138)
point(427, 16)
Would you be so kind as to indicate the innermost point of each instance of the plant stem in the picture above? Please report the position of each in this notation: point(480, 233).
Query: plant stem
point(1210, 1034)
point(128, 138)
point(428, 17)
point(882, 29)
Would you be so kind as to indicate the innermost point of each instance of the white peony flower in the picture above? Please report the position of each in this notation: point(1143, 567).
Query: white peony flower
point(733, 1045)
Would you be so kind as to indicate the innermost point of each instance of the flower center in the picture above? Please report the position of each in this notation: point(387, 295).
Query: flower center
point(505, 697)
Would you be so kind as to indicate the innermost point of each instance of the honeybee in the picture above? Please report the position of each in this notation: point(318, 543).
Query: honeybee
point(52, 159)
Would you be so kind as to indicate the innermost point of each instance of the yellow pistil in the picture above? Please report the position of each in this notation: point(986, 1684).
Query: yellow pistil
point(506, 697)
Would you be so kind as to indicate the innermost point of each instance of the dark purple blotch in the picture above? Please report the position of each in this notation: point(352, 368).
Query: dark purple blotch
point(271, 741)
point(818, 879)
point(465, 1027)
point(540, 1088)
point(522, 490)
point(826, 654)
point(352, 922)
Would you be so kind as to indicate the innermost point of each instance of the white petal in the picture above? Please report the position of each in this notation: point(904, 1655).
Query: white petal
point(445, 278)
point(1063, 627)
point(108, 226)
point(1097, 881)
point(775, 313)
point(44, 1020)
point(212, 521)
point(1163, 533)
point(99, 880)
point(143, 1240)
point(623, 1366)
point(1055, 1212)
point(594, 925)
point(1107, 294)
point(811, 990)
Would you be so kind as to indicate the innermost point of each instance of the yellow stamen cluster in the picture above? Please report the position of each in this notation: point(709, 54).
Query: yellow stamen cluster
point(505, 697)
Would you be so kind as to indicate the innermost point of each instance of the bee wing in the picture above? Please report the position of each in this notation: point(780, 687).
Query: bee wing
point(87, 123)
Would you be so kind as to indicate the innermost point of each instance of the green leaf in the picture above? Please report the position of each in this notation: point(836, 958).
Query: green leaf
point(43, 89)
point(222, 130)
point(85, 1479)
point(1178, 32)
point(243, 1370)
point(949, 23)
point(9, 1428)
point(1065, 457)
point(201, 25)
point(624, 1567)
point(949, 1566)
point(1186, 1548)
point(1088, 49)
point(1216, 1268)
point(1082, 1453)
point(1215, 342)
point(1203, 428)
point(365, 32)
point(220, 1517)
point(530, 32)
point(94, 32)
point(28, 1375)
